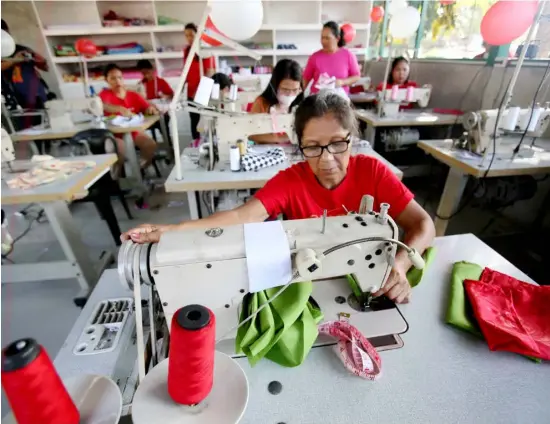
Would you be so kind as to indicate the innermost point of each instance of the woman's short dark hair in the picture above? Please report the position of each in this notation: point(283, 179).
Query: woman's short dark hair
point(110, 67)
point(223, 80)
point(322, 104)
point(144, 64)
point(394, 63)
point(192, 27)
point(284, 69)
point(336, 31)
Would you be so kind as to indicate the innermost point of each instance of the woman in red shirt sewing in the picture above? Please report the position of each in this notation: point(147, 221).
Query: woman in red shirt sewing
point(194, 75)
point(329, 179)
point(399, 75)
point(117, 100)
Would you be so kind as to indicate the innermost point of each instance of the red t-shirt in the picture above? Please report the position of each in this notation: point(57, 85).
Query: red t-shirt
point(406, 85)
point(194, 75)
point(156, 86)
point(296, 193)
point(133, 101)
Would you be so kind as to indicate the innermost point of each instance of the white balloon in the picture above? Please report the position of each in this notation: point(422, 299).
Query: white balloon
point(238, 20)
point(404, 23)
point(394, 6)
point(8, 45)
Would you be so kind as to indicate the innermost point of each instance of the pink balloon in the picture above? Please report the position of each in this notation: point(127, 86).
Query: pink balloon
point(349, 33)
point(507, 20)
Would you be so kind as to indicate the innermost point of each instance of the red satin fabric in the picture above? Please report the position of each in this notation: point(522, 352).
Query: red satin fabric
point(513, 315)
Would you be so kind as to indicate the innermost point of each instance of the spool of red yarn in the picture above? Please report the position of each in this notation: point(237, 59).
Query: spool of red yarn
point(33, 387)
point(191, 358)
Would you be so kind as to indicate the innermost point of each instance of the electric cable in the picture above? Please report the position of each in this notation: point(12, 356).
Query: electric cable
point(516, 149)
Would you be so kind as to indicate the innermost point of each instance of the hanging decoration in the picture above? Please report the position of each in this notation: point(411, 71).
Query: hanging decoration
point(377, 14)
point(404, 23)
point(85, 47)
point(8, 45)
point(238, 20)
point(395, 6)
point(507, 20)
point(209, 40)
point(349, 32)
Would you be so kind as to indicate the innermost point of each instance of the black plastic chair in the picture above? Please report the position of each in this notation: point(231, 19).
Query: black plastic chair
point(98, 141)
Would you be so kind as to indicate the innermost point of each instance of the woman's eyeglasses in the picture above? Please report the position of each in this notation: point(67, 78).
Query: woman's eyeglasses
point(335, 148)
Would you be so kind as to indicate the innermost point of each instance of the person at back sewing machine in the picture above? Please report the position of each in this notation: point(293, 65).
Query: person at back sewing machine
point(328, 179)
point(283, 92)
point(399, 75)
point(117, 100)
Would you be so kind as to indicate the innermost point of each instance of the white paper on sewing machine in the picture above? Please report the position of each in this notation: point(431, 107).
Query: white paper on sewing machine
point(267, 255)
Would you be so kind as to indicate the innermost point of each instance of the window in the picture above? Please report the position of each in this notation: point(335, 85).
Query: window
point(452, 31)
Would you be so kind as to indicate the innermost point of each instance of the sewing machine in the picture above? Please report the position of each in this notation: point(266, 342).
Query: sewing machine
point(8, 153)
point(484, 134)
point(60, 111)
point(391, 99)
point(230, 127)
point(209, 267)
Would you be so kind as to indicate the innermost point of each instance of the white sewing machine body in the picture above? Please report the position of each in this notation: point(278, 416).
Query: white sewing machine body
point(60, 111)
point(390, 100)
point(481, 128)
point(193, 267)
point(8, 152)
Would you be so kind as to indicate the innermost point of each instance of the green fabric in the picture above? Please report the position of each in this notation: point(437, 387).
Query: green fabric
point(459, 312)
point(415, 275)
point(284, 331)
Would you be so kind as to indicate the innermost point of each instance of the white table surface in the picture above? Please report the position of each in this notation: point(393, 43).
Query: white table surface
point(441, 375)
point(196, 178)
point(474, 165)
point(417, 118)
point(74, 187)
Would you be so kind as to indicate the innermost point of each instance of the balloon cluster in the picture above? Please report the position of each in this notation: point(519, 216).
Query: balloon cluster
point(404, 19)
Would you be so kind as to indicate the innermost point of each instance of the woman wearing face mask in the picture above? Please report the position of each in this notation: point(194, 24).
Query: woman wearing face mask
point(283, 93)
point(333, 59)
point(328, 179)
point(399, 75)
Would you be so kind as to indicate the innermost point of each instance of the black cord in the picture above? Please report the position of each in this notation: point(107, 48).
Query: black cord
point(516, 149)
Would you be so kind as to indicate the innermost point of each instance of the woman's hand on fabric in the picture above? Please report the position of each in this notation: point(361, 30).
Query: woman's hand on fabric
point(397, 288)
point(145, 233)
point(125, 112)
point(339, 83)
point(151, 110)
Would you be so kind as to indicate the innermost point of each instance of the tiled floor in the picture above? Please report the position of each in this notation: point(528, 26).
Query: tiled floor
point(45, 310)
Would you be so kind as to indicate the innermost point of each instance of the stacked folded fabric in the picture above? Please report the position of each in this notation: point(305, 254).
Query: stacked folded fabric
point(256, 161)
point(510, 314)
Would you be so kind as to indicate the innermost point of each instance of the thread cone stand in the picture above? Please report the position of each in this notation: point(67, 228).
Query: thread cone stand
point(225, 404)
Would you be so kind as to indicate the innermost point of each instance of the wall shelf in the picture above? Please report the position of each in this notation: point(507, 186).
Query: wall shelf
point(298, 23)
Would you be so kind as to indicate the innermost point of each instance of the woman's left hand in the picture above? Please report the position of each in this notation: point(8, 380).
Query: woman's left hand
point(339, 83)
point(397, 288)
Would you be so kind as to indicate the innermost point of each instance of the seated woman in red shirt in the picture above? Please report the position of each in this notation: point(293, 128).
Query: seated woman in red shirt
point(399, 74)
point(329, 179)
point(117, 100)
point(283, 92)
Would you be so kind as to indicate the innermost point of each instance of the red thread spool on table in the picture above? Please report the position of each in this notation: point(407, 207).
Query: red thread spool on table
point(34, 389)
point(191, 358)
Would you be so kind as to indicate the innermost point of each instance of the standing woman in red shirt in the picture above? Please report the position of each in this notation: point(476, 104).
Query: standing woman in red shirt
point(194, 75)
point(117, 100)
point(329, 179)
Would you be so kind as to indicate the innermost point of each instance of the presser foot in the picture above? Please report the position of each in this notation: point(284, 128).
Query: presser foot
point(366, 302)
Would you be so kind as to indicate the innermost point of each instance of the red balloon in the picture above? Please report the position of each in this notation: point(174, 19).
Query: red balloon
point(377, 14)
point(349, 32)
point(209, 40)
point(447, 2)
point(85, 47)
point(507, 20)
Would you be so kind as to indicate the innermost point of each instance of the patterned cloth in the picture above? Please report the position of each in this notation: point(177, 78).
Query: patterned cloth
point(256, 161)
point(354, 350)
